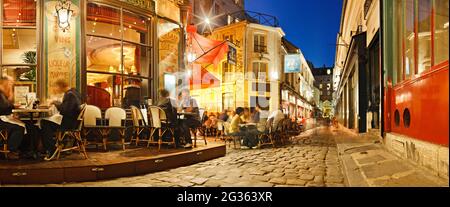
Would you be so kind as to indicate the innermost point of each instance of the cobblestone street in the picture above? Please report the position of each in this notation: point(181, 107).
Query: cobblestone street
point(311, 160)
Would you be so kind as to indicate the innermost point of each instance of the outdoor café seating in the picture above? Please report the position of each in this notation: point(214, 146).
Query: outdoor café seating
point(4, 142)
point(115, 118)
point(229, 137)
point(200, 128)
point(267, 136)
point(70, 135)
point(160, 124)
point(140, 125)
point(220, 130)
point(92, 118)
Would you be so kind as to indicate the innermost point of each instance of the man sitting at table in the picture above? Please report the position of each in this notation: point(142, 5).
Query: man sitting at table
point(189, 104)
point(14, 127)
point(248, 133)
point(168, 105)
point(69, 109)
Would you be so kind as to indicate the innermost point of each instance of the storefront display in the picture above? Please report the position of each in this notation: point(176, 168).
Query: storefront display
point(105, 50)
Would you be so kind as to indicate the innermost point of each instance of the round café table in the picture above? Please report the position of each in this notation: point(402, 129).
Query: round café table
point(30, 112)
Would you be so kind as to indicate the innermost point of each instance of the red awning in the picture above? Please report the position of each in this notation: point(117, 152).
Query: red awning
point(207, 50)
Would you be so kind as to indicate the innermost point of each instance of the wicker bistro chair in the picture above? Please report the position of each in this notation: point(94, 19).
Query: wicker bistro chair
point(285, 131)
point(4, 141)
point(139, 125)
point(117, 117)
point(160, 123)
point(220, 130)
point(91, 115)
point(67, 134)
point(196, 130)
point(230, 138)
point(267, 137)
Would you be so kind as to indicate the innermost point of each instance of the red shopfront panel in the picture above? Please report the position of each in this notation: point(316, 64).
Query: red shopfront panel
point(426, 97)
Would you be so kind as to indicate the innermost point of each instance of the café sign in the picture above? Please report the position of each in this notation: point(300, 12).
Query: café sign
point(143, 4)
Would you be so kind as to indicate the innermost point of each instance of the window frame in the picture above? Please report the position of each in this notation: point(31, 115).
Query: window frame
point(258, 45)
point(36, 28)
point(148, 78)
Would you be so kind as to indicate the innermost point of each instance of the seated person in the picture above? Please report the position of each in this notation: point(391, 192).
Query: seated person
point(255, 115)
point(248, 134)
point(16, 129)
point(246, 116)
point(69, 109)
point(168, 105)
point(211, 124)
point(277, 117)
point(223, 116)
point(189, 104)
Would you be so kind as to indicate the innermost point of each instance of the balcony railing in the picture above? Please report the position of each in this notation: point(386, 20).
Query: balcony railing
point(254, 17)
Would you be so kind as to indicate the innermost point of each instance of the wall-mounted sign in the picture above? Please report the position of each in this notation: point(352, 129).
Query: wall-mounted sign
point(62, 48)
point(232, 55)
point(292, 63)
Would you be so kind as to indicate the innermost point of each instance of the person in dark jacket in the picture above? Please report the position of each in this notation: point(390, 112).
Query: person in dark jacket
point(189, 104)
point(14, 127)
point(69, 108)
point(168, 105)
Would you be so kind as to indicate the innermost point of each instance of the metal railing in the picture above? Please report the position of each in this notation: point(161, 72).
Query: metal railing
point(254, 17)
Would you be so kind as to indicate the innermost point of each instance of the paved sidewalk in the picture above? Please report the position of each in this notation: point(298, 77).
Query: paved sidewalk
point(310, 161)
point(367, 164)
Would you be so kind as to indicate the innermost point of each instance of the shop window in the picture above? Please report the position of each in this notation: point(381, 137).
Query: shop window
point(441, 32)
point(406, 118)
point(408, 38)
point(19, 45)
point(260, 71)
point(424, 34)
point(118, 56)
point(169, 39)
point(103, 20)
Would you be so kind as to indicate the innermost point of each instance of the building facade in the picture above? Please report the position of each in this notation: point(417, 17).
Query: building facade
point(211, 14)
point(105, 49)
point(294, 100)
point(255, 77)
point(356, 78)
point(415, 64)
point(324, 82)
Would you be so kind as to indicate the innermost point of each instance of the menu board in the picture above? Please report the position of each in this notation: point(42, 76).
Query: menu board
point(61, 48)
